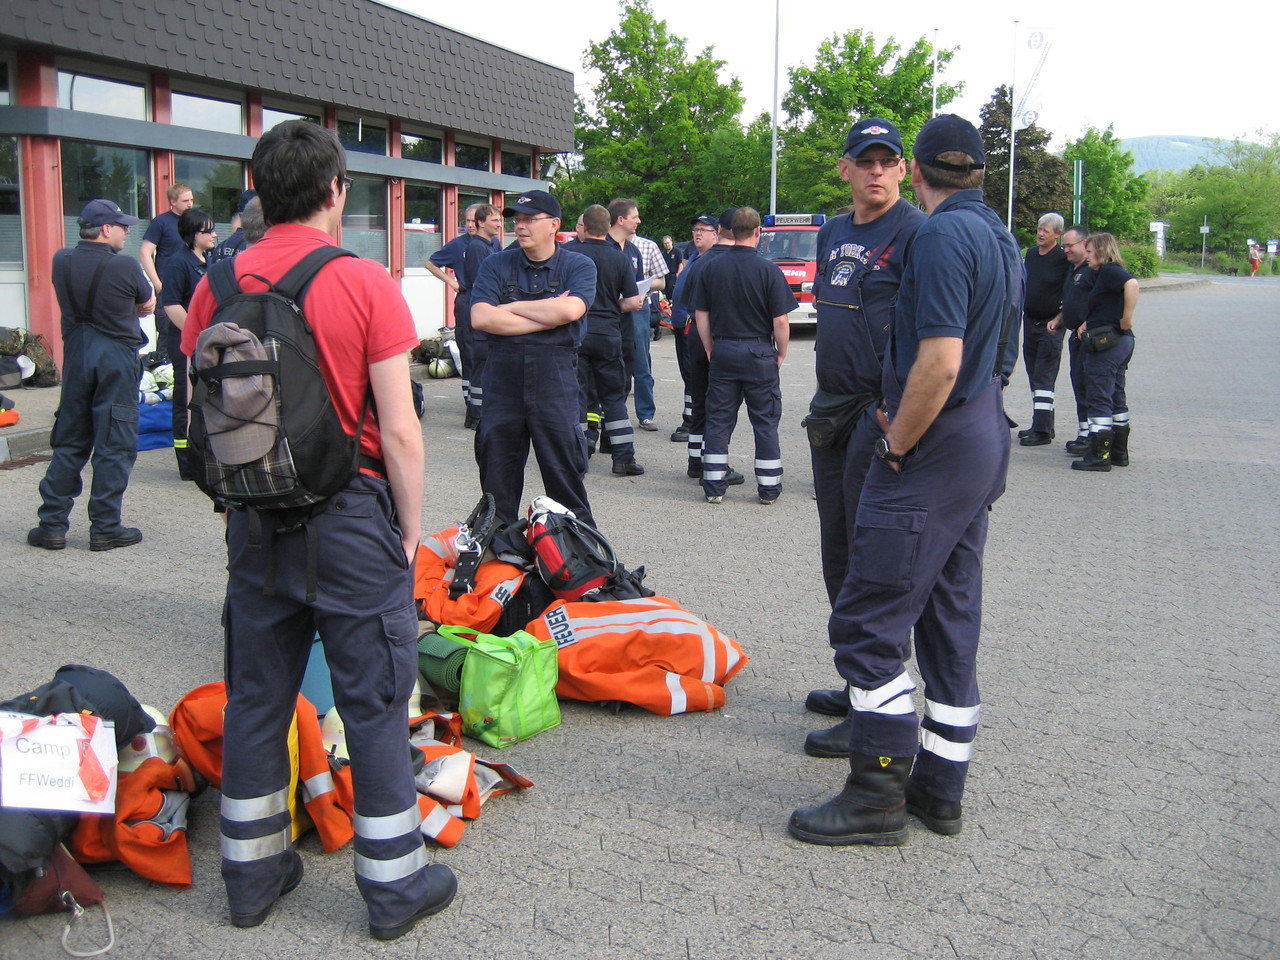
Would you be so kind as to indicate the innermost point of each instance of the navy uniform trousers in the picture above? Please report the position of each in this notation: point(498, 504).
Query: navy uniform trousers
point(472, 353)
point(838, 475)
point(681, 334)
point(1104, 375)
point(1042, 355)
point(363, 610)
point(743, 370)
point(531, 397)
point(181, 385)
point(1075, 366)
point(97, 415)
point(697, 371)
point(917, 564)
point(602, 381)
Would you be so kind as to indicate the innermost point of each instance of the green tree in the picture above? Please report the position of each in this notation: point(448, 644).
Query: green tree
point(850, 78)
point(1240, 195)
point(1042, 182)
point(655, 119)
point(1114, 196)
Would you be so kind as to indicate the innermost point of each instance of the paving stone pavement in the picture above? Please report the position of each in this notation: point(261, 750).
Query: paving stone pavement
point(1123, 802)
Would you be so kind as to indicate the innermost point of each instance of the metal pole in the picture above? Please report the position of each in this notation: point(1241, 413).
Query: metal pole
point(1204, 241)
point(934, 109)
point(1013, 125)
point(773, 145)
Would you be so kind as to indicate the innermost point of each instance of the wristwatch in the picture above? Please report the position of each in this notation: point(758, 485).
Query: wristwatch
point(887, 455)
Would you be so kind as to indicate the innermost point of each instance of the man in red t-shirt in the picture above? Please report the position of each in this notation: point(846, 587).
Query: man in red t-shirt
point(360, 562)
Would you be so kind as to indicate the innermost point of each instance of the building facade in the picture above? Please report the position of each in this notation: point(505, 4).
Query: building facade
point(123, 98)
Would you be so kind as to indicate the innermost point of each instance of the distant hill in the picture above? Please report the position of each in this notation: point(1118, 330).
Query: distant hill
point(1169, 153)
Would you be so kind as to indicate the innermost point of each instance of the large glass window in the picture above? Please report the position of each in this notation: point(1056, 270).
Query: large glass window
point(91, 171)
point(216, 184)
point(272, 116)
point(10, 205)
point(426, 149)
point(517, 164)
point(361, 136)
point(10, 195)
point(471, 156)
point(422, 230)
point(364, 219)
point(116, 98)
point(207, 113)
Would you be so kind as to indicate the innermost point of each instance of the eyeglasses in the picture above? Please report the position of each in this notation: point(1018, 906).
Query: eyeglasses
point(869, 163)
point(210, 230)
point(347, 183)
point(119, 226)
point(521, 220)
point(1072, 243)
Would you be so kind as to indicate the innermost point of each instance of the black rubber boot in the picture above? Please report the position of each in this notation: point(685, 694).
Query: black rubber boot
point(1098, 459)
point(940, 816)
point(870, 809)
point(832, 742)
point(1079, 446)
point(1041, 431)
point(833, 703)
point(1120, 446)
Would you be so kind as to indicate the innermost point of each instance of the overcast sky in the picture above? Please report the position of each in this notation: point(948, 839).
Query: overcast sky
point(1148, 69)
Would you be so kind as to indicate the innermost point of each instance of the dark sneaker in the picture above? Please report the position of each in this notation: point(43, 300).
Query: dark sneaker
point(124, 537)
point(679, 435)
point(628, 468)
point(291, 881)
point(46, 538)
point(734, 478)
point(443, 887)
point(768, 501)
point(833, 703)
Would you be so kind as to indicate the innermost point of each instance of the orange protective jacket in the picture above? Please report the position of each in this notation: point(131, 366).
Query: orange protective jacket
point(495, 584)
point(326, 794)
point(648, 651)
point(148, 833)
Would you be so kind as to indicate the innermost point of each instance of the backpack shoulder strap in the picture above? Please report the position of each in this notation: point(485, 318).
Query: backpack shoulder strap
point(293, 283)
point(222, 280)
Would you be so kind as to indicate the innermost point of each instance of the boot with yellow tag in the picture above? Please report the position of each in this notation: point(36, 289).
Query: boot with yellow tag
point(870, 809)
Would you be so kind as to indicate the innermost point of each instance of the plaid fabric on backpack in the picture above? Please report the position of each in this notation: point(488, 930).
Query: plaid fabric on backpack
point(275, 389)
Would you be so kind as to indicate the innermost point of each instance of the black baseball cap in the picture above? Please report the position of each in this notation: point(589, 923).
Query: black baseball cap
point(98, 213)
point(534, 201)
point(945, 134)
point(871, 132)
point(245, 197)
point(706, 220)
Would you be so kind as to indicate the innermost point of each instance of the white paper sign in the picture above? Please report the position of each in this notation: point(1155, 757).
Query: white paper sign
point(66, 762)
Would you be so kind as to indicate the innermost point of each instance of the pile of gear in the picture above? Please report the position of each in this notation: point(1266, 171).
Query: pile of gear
point(554, 579)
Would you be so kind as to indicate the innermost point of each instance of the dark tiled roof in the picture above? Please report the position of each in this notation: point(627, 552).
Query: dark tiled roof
point(352, 53)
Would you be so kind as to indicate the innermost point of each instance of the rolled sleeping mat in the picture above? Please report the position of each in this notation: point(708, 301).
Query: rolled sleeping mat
point(440, 660)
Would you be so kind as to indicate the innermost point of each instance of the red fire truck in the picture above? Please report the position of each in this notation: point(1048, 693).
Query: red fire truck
point(791, 241)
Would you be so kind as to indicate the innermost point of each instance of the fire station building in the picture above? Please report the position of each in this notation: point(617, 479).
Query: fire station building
point(123, 98)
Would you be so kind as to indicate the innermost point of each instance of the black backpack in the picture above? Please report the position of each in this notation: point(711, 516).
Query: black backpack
point(312, 456)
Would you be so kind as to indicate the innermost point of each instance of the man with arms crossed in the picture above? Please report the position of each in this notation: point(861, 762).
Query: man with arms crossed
point(357, 552)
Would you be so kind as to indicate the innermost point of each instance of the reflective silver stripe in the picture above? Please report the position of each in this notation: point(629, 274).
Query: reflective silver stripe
point(768, 481)
point(708, 655)
point(316, 786)
point(715, 458)
point(892, 698)
point(435, 821)
point(617, 424)
point(389, 871)
point(255, 808)
point(952, 716)
point(679, 702)
point(947, 749)
point(713, 474)
point(768, 464)
point(259, 848)
point(388, 827)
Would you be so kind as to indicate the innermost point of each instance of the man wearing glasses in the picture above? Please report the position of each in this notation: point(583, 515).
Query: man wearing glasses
point(101, 296)
point(860, 257)
point(528, 303)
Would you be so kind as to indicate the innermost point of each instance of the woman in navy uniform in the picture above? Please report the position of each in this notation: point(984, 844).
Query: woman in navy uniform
point(1111, 304)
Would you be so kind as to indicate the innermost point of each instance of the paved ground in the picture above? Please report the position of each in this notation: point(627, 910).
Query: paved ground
point(1123, 803)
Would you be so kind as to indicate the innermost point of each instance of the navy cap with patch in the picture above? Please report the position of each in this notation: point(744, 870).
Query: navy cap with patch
point(533, 202)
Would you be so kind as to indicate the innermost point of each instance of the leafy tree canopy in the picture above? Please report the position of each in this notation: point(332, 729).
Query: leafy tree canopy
point(1042, 182)
point(1114, 197)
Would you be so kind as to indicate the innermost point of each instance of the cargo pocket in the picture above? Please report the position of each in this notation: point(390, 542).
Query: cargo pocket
point(124, 424)
point(400, 627)
point(886, 541)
